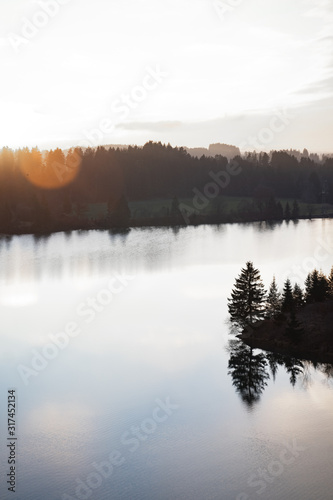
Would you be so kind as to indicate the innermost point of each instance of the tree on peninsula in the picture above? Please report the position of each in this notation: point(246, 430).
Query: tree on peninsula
point(247, 302)
point(273, 302)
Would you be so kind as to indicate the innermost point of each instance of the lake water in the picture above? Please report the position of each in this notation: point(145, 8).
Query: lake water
point(128, 382)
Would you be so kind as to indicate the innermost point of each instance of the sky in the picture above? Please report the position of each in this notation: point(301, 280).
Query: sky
point(257, 74)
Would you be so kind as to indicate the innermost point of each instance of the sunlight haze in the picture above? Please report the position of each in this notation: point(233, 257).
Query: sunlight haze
point(223, 71)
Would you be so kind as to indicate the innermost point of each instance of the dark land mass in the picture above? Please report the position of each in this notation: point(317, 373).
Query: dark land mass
point(307, 335)
point(158, 185)
point(74, 224)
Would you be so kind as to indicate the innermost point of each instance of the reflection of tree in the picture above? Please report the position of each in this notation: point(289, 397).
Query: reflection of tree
point(327, 370)
point(248, 371)
point(293, 366)
point(274, 361)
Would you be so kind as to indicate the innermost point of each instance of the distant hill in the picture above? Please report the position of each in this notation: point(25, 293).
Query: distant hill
point(226, 150)
point(215, 149)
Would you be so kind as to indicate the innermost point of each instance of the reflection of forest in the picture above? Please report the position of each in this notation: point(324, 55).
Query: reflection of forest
point(251, 370)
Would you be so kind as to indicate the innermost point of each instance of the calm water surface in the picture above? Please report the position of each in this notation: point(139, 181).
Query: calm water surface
point(149, 397)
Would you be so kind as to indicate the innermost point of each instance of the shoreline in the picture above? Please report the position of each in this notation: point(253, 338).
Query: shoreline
point(156, 222)
point(314, 356)
point(315, 338)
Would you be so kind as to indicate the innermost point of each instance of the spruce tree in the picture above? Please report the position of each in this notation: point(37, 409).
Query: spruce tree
point(323, 287)
point(273, 303)
point(308, 288)
point(247, 302)
point(330, 284)
point(317, 287)
point(287, 297)
point(298, 295)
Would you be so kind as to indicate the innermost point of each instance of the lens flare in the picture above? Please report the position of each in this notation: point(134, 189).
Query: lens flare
point(55, 172)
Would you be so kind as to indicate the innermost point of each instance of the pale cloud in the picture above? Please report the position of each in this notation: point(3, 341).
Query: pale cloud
point(319, 9)
point(266, 55)
point(153, 126)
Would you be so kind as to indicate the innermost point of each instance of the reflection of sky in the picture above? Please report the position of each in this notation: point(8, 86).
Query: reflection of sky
point(79, 256)
point(164, 335)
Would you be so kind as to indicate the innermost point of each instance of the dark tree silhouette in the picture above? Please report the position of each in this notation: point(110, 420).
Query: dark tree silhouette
point(330, 283)
point(316, 287)
point(246, 304)
point(298, 295)
point(273, 302)
point(287, 297)
point(154, 171)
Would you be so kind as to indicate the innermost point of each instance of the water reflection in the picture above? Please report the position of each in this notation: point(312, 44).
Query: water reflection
point(97, 254)
point(269, 225)
point(250, 370)
point(122, 233)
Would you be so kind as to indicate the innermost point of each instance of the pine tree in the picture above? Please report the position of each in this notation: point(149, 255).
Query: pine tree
point(317, 287)
point(323, 287)
point(330, 284)
point(298, 295)
point(287, 297)
point(246, 305)
point(308, 286)
point(273, 303)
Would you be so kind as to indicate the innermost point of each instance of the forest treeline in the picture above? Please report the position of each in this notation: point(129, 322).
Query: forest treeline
point(50, 190)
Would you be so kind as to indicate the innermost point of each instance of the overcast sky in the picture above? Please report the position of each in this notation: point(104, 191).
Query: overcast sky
point(188, 72)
